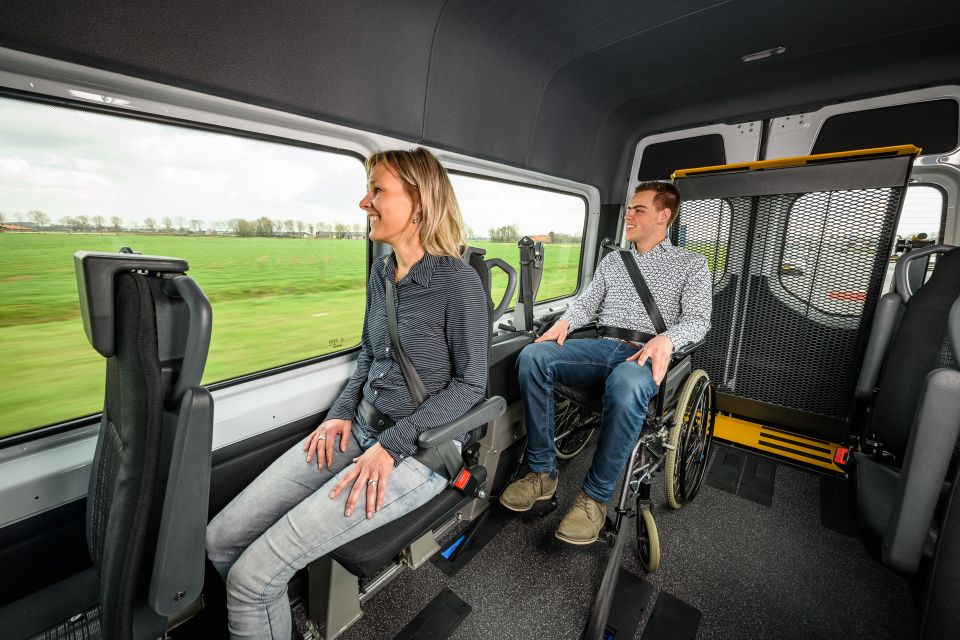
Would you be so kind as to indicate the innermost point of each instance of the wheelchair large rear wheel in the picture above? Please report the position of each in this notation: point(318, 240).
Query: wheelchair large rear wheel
point(568, 416)
point(689, 440)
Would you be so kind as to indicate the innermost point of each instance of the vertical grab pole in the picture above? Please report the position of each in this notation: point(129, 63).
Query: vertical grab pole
point(531, 270)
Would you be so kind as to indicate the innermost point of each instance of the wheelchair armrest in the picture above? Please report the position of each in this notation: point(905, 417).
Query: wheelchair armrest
point(686, 350)
point(479, 415)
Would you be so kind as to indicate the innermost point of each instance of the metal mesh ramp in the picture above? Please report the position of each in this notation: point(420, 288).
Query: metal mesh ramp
point(798, 253)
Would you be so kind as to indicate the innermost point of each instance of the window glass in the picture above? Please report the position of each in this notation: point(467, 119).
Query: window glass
point(498, 214)
point(272, 233)
point(921, 223)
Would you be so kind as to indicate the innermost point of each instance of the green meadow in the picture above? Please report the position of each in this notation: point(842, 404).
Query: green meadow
point(275, 301)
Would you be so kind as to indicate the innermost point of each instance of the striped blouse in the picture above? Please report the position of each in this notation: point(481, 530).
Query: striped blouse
point(444, 328)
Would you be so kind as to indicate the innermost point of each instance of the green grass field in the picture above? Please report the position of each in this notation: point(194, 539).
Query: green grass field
point(275, 301)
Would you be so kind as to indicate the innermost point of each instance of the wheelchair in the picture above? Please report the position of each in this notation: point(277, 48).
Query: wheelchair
point(676, 437)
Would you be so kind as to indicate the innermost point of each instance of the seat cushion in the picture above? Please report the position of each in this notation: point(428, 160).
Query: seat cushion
point(52, 606)
point(366, 556)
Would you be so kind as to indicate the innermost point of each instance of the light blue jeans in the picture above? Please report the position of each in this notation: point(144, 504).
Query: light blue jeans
point(285, 519)
point(583, 362)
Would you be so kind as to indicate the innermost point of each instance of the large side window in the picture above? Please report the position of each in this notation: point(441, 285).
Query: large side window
point(271, 231)
point(921, 223)
point(498, 214)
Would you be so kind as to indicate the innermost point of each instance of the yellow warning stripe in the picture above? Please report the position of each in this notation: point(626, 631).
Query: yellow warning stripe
point(776, 442)
point(796, 161)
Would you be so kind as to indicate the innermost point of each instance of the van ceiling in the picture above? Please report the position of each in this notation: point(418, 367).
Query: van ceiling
point(563, 86)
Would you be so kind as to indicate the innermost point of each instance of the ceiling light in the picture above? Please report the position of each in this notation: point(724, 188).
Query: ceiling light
point(96, 97)
point(759, 55)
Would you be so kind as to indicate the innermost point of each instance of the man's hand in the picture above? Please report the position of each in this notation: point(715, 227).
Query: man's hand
point(369, 475)
point(558, 332)
point(659, 351)
point(320, 442)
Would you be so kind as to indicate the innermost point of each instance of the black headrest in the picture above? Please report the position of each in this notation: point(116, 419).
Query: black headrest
point(96, 272)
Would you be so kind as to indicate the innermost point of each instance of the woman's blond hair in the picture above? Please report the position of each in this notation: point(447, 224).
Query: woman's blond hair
point(428, 185)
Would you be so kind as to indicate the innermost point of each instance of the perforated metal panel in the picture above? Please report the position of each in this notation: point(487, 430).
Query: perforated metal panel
point(796, 281)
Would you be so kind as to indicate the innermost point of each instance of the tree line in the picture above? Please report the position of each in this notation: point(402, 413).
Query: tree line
point(261, 227)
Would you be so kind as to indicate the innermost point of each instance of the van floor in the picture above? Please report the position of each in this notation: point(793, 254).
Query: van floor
point(752, 571)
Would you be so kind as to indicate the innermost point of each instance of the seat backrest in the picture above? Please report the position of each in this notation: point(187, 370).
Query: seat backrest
point(151, 468)
point(917, 347)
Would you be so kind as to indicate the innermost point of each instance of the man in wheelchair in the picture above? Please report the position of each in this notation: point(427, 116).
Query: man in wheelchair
point(630, 357)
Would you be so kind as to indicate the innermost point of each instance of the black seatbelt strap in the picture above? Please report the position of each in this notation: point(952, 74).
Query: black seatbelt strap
point(447, 452)
point(645, 296)
point(417, 391)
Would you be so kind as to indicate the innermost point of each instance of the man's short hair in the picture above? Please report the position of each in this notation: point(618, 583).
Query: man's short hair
point(668, 197)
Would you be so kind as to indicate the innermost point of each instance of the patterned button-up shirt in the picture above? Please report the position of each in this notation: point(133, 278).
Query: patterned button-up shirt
point(444, 330)
point(679, 282)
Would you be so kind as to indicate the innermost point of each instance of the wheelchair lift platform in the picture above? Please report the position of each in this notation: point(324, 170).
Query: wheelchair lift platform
point(778, 443)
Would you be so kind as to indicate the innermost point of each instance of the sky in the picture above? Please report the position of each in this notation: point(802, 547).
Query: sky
point(69, 162)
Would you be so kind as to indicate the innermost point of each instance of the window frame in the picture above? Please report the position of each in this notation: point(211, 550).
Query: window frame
point(258, 402)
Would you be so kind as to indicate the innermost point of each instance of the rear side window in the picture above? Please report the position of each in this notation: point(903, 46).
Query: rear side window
point(498, 214)
point(921, 224)
point(931, 125)
point(271, 231)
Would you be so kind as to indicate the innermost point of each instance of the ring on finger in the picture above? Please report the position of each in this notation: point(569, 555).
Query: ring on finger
point(321, 437)
point(372, 483)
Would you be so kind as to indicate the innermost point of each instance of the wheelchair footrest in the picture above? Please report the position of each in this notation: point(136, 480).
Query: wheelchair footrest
point(542, 507)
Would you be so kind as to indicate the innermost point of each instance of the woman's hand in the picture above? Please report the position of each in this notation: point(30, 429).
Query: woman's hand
point(369, 474)
point(320, 442)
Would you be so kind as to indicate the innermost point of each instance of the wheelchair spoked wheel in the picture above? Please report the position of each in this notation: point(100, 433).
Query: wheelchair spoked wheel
point(689, 439)
point(648, 539)
point(568, 415)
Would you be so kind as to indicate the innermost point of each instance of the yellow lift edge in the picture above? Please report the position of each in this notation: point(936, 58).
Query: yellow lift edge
point(796, 161)
point(811, 451)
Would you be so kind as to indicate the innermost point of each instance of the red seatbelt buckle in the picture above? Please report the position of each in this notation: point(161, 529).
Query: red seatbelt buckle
point(462, 479)
point(841, 456)
point(468, 483)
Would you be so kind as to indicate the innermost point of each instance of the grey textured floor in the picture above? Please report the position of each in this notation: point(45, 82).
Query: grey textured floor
point(752, 571)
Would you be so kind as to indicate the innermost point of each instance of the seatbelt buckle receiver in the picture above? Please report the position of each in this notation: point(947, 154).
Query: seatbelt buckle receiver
point(468, 484)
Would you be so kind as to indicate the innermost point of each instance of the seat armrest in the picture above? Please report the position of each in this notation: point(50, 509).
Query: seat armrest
point(884, 323)
point(686, 350)
point(179, 560)
point(479, 415)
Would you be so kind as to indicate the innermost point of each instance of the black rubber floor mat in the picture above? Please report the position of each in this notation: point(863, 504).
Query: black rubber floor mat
point(671, 619)
point(438, 620)
point(757, 480)
point(466, 545)
point(629, 602)
point(726, 468)
point(837, 509)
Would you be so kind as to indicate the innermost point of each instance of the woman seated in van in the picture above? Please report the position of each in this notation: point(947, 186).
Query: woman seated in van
point(350, 476)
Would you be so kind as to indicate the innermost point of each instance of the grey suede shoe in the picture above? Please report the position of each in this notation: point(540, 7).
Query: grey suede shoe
point(583, 522)
point(530, 489)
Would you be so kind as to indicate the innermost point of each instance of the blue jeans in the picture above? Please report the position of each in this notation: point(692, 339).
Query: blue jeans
point(285, 519)
point(583, 362)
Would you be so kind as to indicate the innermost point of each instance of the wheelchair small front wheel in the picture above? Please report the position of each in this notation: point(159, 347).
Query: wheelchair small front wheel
point(648, 540)
point(689, 440)
point(568, 416)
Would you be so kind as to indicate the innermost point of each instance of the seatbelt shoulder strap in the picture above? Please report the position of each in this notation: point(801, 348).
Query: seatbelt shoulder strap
point(643, 291)
point(414, 384)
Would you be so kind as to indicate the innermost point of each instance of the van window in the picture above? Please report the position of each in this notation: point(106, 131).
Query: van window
point(921, 223)
point(271, 231)
point(498, 214)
